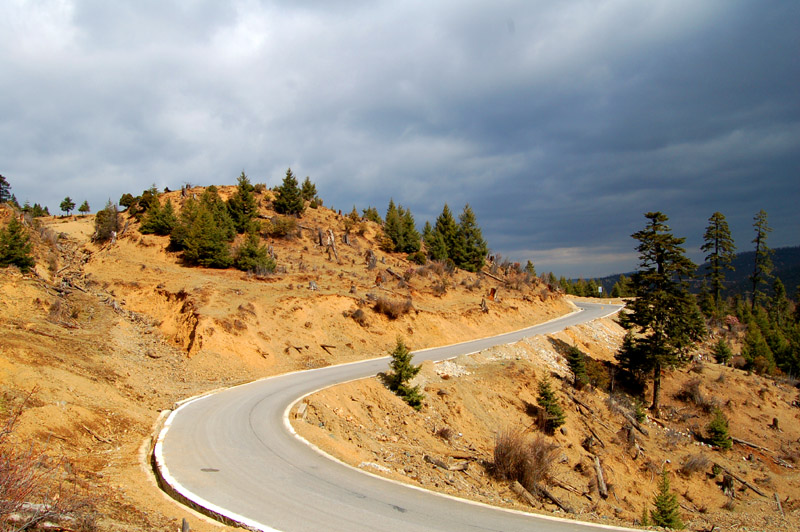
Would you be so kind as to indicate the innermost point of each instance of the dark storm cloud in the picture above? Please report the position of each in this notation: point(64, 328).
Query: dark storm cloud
point(561, 123)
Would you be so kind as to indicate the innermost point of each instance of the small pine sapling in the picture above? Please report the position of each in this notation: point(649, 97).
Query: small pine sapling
point(402, 372)
point(554, 415)
point(665, 511)
point(718, 431)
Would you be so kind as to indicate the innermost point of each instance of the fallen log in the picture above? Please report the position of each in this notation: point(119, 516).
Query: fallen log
point(740, 479)
point(601, 481)
point(520, 490)
point(484, 272)
point(461, 466)
point(635, 423)
point(780, 507)
point(749, 444)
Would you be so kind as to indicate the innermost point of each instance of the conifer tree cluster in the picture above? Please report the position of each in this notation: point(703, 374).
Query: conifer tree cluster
point(462, 242)
point(400, 231)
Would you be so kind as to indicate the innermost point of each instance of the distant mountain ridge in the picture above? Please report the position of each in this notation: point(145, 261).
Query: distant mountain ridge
point(786, 266)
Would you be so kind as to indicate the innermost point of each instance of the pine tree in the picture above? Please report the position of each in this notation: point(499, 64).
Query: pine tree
point(67, 205)
point(179, 233)
point(391, 227)
point(530, 269)
point(435, 245)
point(309, 190)
point(5, 190)
point(577, 364)
point(219, 209)
point(84, 208)
point(242, 205)
point(402, 372)
point(472, 249)
point(289, 199)
point(664, 313)
point(717, 430)
point(446, 226)
point(15, 246)
point(409, 236)
point(762, 270)
point(665, 512)
point(554, 415)
point(721, 252)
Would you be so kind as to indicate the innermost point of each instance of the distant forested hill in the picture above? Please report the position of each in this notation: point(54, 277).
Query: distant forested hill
point(786, 262)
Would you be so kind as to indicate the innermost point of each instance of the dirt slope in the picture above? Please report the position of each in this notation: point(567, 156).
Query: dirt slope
point(110, 336)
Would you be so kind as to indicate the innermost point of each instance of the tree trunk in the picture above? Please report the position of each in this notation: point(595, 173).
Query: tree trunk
point(656, 386)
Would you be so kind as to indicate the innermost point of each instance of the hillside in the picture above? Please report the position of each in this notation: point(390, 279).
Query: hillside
point(108, 336)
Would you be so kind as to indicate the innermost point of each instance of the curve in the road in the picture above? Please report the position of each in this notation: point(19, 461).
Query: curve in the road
point(232, 454)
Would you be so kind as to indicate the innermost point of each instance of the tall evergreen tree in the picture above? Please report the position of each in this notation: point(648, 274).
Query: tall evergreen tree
point(435, 245)
point(472, 248)
point(762, 269)
point(84, 208)
point(5, 189)
point(446, 226)
point(289, 199)
point(15, 246)
point(242, 205)
point(392, 227)
point(577, 364)
point(664, 314)
point(410, 239)
point(718, 243)
point(252, 256)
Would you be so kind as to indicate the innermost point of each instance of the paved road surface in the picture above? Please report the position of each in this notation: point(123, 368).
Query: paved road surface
point(233, 453)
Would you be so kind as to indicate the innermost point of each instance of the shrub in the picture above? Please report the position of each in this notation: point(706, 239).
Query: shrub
point(392, 309)
point(597, 374)
point(280, 227)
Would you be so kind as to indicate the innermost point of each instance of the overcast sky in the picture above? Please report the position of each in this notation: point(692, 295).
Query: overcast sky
point(560, 123)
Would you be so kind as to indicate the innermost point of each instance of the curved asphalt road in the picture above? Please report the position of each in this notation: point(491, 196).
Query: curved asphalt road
point(234, 454)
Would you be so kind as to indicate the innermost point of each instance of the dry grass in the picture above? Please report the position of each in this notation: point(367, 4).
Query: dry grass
point(392, 309)
point(35, 488)
point(694, 463)
point(522, 458)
